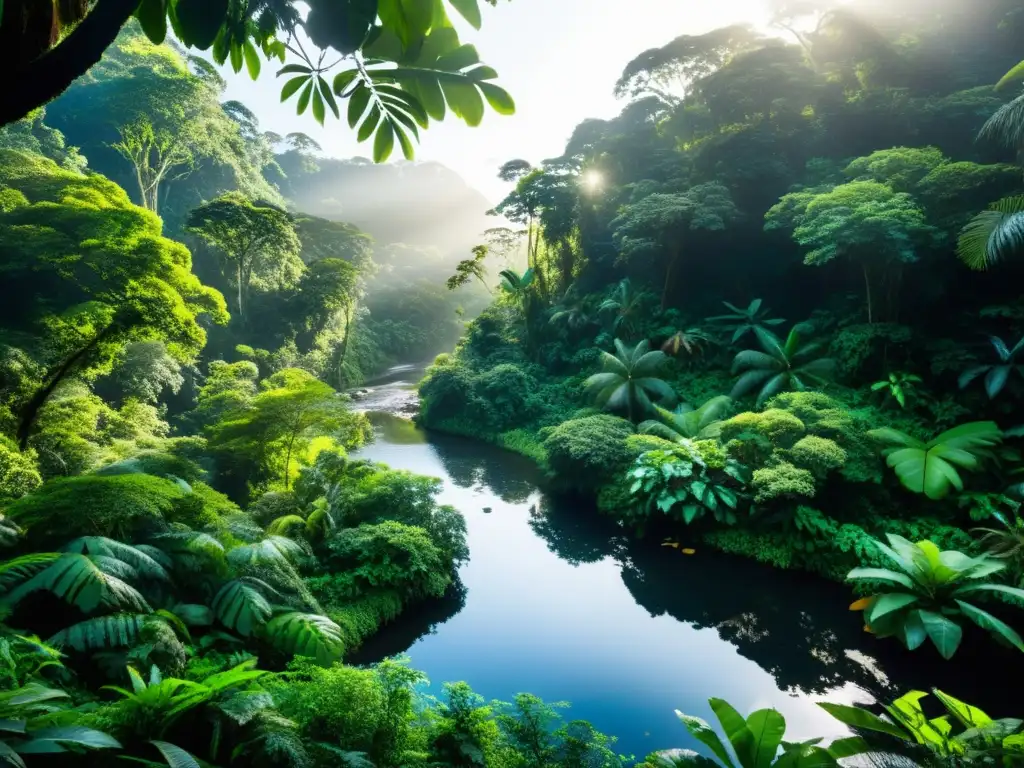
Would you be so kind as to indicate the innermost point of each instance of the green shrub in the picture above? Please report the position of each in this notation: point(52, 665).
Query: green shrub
point(389, 556)
point(203, 507)
point(273, 505)
point(157, 463)
point(505, 396)
point(585, 452)
point(119, 507)
point(375, 494)
point(18, 471)
point(780, 427)
point(817, 454)
point(782, 481)
point(339, 705)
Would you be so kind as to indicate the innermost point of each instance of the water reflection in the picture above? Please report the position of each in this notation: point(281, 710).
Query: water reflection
point(557, 601)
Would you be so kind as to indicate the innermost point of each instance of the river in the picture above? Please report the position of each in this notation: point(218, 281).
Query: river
point(557, 602)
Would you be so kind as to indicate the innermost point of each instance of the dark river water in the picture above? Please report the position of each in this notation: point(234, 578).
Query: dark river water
point(555, 601)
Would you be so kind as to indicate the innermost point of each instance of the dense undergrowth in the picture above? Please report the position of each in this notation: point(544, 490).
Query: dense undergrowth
point(190, 551)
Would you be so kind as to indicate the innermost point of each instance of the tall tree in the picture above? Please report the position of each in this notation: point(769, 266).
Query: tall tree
point(657, 225)
point(256, 240)
point(865, 222)
point(89, 272)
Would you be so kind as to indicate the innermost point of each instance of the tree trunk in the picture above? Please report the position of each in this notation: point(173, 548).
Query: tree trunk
point(867, 291)
point(31, 409)
point(241, 309)
point(33, 84)
point(288, 459)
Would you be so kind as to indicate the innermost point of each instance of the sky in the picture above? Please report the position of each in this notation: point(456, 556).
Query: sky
point(558, 58)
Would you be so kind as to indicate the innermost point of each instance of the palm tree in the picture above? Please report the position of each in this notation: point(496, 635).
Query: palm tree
point(998, 233)
point(993, 235)
point(996, 374)
point(629, 380)
point(743, 321)
point(571, 310)
point(625, 303)
point(515, 284)
point(688, 423)
point(780, 367)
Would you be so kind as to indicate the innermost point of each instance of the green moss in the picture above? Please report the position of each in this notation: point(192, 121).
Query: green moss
point(781, 427)
point(712, 452)
point(203, 507)
point(817, 454)
point(782, 481)
point(640, 444)
point(19, 473)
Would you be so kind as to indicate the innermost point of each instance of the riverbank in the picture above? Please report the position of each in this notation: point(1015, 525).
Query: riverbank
point(557, 599)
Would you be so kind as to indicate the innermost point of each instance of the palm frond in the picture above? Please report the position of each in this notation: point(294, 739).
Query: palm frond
point(25, 567)
point(1006, 126)
point(993, 235)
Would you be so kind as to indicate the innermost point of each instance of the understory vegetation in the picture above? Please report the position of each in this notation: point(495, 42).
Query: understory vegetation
point(773, 309)
point(769, 310)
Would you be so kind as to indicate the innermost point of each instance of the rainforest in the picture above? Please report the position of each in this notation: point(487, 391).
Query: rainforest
point(693, 442)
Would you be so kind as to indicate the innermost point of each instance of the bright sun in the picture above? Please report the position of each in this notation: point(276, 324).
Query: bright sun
point(592, 181)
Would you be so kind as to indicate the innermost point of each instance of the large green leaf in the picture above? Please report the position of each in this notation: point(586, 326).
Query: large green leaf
point(705, 734)
point(199, 21)
point(102, 633)
point(80, 582)
point(241, 607)
point(889, 603)
point(943, 632)
point(736, 731)
point(307, 634)
point(855, 717)
point(56, 739)
point(768, 728)
point(881, 574)
point(175, 756)
point(152, 16)
point(987, 621)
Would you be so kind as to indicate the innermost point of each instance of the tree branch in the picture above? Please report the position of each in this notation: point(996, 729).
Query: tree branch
point(37, 82)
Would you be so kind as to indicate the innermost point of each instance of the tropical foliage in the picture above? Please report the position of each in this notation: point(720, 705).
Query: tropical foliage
point(930, 593)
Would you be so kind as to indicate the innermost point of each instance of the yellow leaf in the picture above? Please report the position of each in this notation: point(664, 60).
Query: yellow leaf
point(689, 551)
point(869, 630)
point(861, 604)
point(671, 544)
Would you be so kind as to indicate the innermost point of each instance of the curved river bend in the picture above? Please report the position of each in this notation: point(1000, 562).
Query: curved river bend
point(557, 602)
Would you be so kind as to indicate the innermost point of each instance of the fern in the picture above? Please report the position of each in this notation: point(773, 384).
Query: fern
point(240, 606)
point(79, 581)
point(103, 632)
point(306, 634)
point(993, 235)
